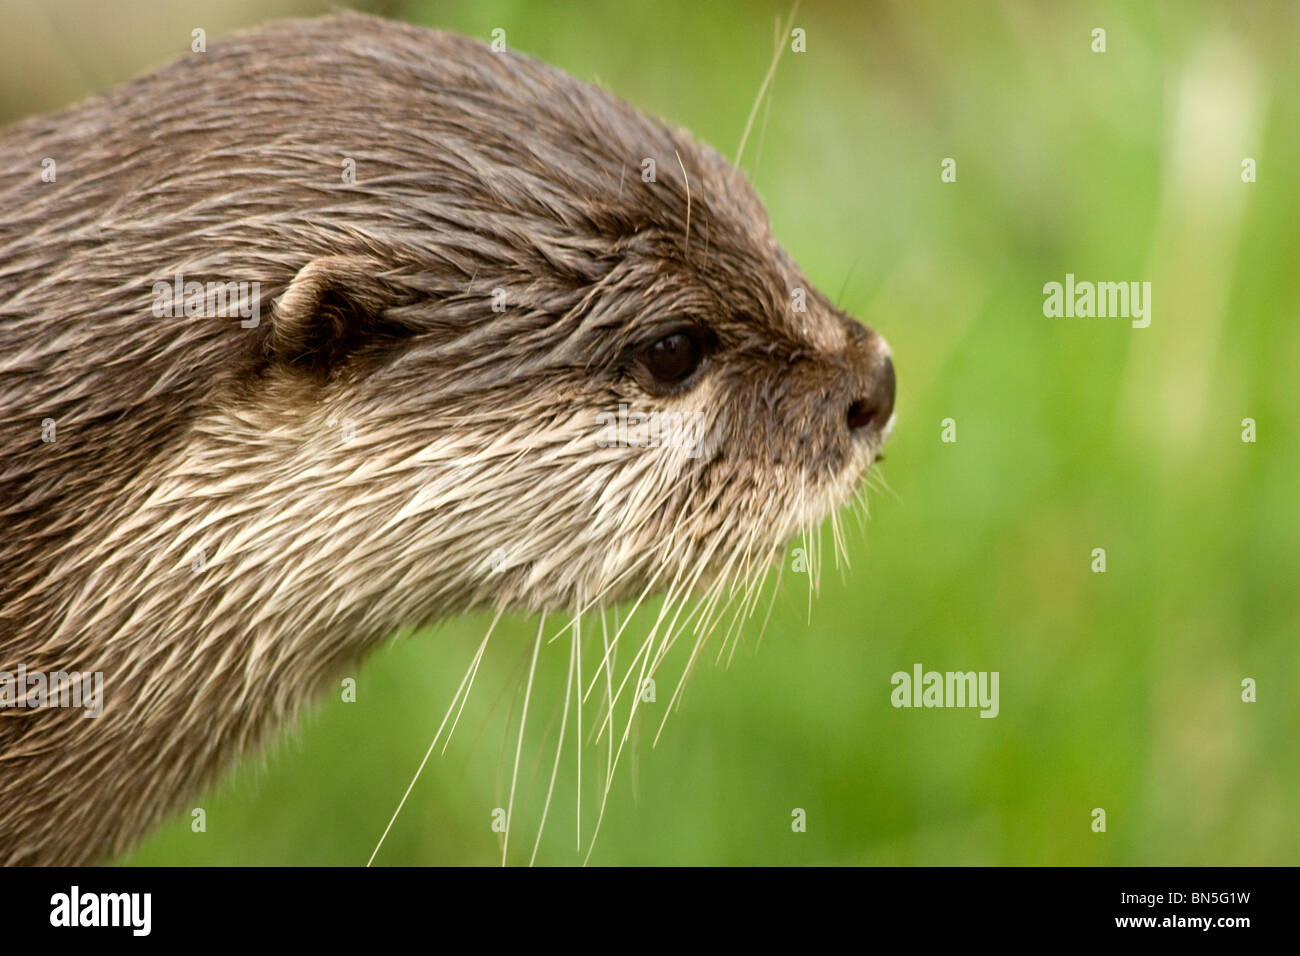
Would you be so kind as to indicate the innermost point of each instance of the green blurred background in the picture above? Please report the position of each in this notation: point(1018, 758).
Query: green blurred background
point(1119, 690)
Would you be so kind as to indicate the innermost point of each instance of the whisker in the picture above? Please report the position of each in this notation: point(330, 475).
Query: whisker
point(686, 250)
point(559, 746)
point(466, 681)
point(776, 589)
point(577, 669)
point(523, 719)
point(473, 672)
point(762, 90)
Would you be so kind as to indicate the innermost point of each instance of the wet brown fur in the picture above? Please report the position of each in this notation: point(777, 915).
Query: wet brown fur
point(349, 466)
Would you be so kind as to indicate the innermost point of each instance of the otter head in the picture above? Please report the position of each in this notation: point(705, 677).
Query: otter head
point(547, 352)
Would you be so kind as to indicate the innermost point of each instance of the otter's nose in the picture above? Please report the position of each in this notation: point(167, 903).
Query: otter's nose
point(873, 409)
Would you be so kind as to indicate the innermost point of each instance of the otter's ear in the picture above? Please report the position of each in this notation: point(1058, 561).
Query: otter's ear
point(336, 307)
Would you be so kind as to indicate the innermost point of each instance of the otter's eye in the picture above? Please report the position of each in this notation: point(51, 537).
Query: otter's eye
point(673, 358)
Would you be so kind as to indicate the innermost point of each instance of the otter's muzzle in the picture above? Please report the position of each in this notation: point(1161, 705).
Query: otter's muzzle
point(872, 401)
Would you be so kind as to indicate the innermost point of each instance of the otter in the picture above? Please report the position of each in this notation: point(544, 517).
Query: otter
point(304, 340)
